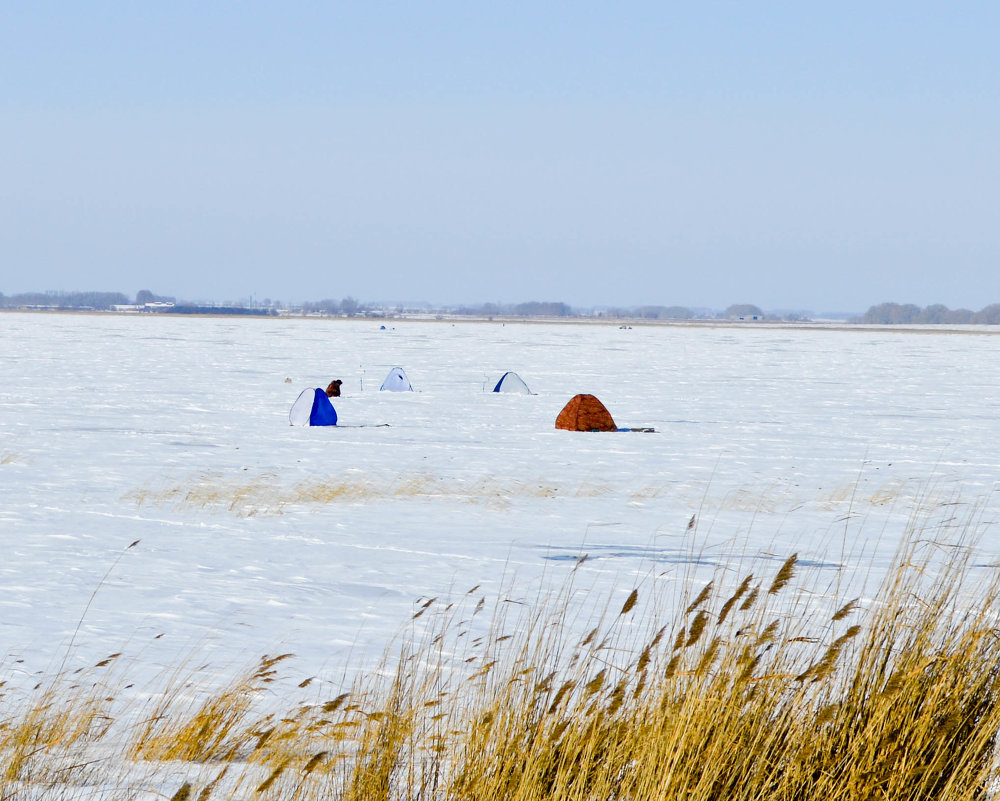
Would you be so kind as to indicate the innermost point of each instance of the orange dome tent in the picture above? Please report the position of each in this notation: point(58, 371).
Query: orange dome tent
point(585, 413)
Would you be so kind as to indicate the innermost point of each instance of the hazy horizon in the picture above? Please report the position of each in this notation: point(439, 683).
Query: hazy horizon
point(876, 312)
point(413, 303)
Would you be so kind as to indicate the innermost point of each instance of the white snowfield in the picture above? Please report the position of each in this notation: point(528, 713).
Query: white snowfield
point(259, 537)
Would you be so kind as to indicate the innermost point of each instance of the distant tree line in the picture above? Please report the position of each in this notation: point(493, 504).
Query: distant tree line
point(98, 301)
point(743, 311)
point(738, 311)
point(184, 308)
point(106, 301)
point(901, 314)
point(144, 296)
point(882, 314)
point(348, 306)
point(530, 309)
point(653, 313)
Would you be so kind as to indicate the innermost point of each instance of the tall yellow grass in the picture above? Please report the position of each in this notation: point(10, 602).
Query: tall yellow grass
point(748, 687)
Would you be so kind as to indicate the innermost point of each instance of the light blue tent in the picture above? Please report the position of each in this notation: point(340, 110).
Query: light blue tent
point(396, 381)
point(312, 408)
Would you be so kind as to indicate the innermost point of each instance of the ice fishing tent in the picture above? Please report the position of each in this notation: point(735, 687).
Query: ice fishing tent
point(585, 413)
point(512, 382)
point(312, 408)
point(396, 381)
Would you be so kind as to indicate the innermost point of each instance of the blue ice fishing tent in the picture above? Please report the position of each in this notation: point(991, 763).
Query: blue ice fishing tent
point(312, 408)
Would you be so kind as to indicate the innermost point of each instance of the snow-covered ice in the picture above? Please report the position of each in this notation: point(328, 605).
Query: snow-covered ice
point(257, 537)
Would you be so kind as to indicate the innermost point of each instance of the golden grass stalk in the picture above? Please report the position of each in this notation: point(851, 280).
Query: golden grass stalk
point(42, 733)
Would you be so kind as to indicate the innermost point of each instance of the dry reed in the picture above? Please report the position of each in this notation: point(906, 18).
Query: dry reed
point(740, 695)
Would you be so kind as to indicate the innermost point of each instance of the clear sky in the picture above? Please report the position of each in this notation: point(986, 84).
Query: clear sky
point(816, 156)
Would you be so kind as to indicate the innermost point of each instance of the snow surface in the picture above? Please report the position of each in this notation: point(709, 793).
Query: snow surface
point(258, 537)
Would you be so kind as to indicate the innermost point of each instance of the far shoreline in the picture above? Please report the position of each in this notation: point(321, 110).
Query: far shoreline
point(618, 322)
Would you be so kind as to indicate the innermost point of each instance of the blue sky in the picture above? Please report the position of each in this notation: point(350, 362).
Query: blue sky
point(797, 156)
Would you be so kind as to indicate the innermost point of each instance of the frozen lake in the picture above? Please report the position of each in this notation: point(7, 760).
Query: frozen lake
point(257, 537)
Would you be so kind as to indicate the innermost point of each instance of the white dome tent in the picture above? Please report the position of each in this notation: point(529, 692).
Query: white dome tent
point(513, 383)
point(396, 381)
